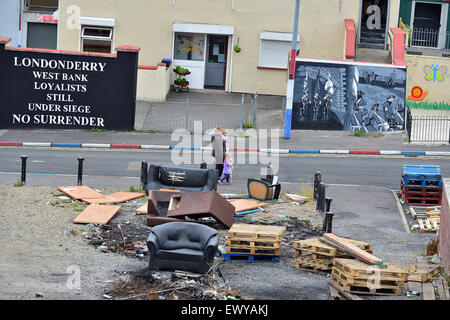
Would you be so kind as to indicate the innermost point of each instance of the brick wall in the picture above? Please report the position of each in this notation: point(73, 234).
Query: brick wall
point(444, 228)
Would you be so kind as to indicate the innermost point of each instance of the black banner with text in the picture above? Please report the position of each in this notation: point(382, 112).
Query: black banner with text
point(67, 91)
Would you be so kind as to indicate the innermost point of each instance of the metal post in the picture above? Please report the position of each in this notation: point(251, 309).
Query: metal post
point(295, 28)
point(242, 112)
point(328, 222)
point(144, 174)
point(80, 171)
point(321, 198)
point(187, 113)
point(255, 107)
point(327, 210)
point(317, 181)
point(24, 170)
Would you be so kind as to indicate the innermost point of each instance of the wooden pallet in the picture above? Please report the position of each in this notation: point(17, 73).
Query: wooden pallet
point(316, 246)
point(254, 251)
point(369, 282)
point(364, 290)
point(359, 269)
point(221, 252)
point(250, 244)
point(256, 232)
point(423, 273)
point(307, 262)
point(426, 225)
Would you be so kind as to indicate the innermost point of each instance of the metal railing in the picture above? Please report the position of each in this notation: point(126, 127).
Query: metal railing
point(427, 128)
point(429, 38)
point(173, 114)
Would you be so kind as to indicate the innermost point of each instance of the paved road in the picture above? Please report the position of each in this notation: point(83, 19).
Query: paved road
point(336, 169)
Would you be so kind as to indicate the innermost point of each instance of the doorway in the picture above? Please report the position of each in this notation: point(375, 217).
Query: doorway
point(426, 24)
point(373, 28)
point(216, 61)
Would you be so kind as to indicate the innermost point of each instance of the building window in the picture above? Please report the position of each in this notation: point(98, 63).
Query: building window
point(96, 39)
point(274, 49)
point(189, 46)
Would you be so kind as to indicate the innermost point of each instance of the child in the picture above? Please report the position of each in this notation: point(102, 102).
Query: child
point(227, 169)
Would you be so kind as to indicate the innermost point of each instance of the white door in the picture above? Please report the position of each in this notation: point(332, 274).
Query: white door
point(189, 53)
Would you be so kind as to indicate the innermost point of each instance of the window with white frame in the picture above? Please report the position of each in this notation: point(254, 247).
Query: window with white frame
point(96, 39)
point(274, 49)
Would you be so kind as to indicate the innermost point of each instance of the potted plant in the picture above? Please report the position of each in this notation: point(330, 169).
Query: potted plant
point(237, 49)
point(181, 71)
point(182, 82)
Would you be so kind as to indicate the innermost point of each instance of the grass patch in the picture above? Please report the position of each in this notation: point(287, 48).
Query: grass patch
point(358, 133)
point(98, 130)
point(307, 192)
point(18, 183)
point(248, 125)
point(428, 105)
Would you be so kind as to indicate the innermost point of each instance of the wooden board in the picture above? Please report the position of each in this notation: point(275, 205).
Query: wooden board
point(256, 232)
point(81, 192)
point(347, 247)
point(232, 243)
point(143, 209)
point(97, 214)
point(117, 197)
point(346, 295)
point(415, 286)
point(314, 245)
point(241, 205)
point(374, 281)
point(428, 291)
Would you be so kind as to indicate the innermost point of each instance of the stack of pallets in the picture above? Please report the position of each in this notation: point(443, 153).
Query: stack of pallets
point(253, 243)
point(358, 277)
point(421, 185)
point(315, 256)
point(428, 218)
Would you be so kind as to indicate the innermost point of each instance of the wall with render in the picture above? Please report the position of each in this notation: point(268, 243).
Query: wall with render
point(428, 82)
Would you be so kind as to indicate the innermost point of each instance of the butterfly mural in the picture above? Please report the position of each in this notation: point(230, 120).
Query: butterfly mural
point(435, 72)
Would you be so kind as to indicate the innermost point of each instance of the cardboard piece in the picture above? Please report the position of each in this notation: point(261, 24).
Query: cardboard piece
point(81, 192)
point(97, 214)
point(143, 209)
point(116, 197)
point(241, 205)
point(204, 204)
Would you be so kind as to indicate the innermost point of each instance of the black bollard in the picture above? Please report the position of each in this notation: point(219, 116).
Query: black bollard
point(23, 177)
point(327, 209)
point(80, 171)
point(269, 174)
point(317, 181)
point(144, 174)
point(321, 198)
point(328, 222)
point(203, 165)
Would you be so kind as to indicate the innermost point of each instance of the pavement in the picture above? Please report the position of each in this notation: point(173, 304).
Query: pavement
point(304, 141)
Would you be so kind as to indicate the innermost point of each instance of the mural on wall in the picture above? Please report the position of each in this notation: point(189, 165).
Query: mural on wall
point(435, 72)
point(348, 96)
point(417, 94)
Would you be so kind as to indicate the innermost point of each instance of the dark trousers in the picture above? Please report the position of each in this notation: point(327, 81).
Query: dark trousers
point(219, 167)
point(226, 176)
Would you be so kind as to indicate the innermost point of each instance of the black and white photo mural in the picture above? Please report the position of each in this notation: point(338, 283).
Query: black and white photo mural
point(340, 95)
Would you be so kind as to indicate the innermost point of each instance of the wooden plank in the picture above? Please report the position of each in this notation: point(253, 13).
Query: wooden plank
point(117, 197)
point(334, 294)
point(81, 192)
point(446, 292)
point(97, 214)
point(440, 289)
point(428, 291)
point(346, 295)
point(351, 249)
point(241, 205)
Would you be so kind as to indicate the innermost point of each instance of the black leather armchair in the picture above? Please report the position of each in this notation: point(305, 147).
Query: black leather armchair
point(182, 246)
point(183, 179)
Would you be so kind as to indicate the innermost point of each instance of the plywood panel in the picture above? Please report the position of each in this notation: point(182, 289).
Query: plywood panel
point(97, 214)
point(81, 192)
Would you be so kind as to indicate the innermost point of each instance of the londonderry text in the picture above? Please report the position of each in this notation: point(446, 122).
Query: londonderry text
point(59, 64)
